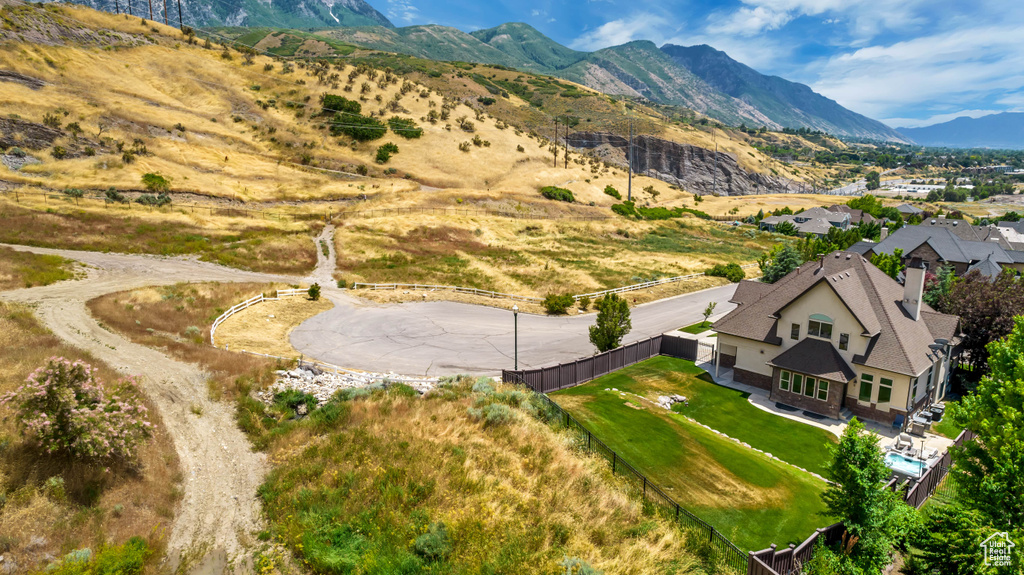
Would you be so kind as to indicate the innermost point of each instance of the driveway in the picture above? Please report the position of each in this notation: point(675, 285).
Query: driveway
point(445, 338)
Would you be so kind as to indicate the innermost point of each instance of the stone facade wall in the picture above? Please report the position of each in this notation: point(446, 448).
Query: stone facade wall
point(751, 378)
point(829, 408)
point(871, 413)
point(728, 361)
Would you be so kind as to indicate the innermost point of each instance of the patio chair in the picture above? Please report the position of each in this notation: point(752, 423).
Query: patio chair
point(898, 422)
point(900, 444)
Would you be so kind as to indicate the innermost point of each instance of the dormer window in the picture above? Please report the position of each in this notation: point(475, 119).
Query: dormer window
point(820, 326)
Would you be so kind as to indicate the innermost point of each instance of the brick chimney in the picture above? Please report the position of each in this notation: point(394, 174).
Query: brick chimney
point(884, 234)
point(913, 287)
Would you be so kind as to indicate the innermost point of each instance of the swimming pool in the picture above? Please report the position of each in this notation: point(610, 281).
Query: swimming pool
point(902, 464)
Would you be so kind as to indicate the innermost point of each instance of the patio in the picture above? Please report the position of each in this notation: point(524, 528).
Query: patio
point(887, 435)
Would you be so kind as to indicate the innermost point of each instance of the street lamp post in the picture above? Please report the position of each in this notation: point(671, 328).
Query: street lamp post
point(515, 323)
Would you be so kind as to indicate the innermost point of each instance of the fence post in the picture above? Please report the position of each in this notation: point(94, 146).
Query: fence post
point(613, 463)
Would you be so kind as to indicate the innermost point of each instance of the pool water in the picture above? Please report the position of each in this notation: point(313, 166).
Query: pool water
point(899, 463)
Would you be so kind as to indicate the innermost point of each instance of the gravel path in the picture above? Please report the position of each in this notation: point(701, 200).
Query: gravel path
point(221, 472)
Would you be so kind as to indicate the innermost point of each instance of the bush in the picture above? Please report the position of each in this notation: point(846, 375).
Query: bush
point(557, 304)
point(585, 303)
point(405, 128)
point(17, 152)
point(359, 128)
point(555, 193)
point(612, 192)
point(74, 193)
point(155, 182)
point(116, 197)
point(342, 284)
point(384, 152)
point(732, 272)
point(334, 104)
point(314, 292)
point(127, 559)
point(59, 152)
point(491, 414)
point(67, 409)
point(155, 201)
point(434, 544)
point(465, 146)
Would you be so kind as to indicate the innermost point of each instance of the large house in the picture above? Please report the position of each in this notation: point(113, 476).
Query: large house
point(815, 221)
point(840, 334)
point(938, 244)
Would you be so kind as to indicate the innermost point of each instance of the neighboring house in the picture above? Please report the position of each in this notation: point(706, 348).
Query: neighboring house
point(840, 334)
point(966, 231)
point(857, 217)
point(816, 221)
point(909, 210)
point(940, 245)
point(1013, 232)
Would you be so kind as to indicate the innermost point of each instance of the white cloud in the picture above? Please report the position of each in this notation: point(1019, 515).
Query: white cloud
point(403, 10)
point(536, 13)
point(946, 70)
point(640, 26)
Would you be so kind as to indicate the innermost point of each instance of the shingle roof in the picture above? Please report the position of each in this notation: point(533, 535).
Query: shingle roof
point(961, 228)
point(987, 267)
point(908, 209)
point(909, 238)
point(862, 247)
point(819, 226)
point(898, 343)
point(815, 357)
point(749, 291)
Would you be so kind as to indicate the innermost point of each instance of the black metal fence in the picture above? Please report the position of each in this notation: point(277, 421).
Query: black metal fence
point(722, 551)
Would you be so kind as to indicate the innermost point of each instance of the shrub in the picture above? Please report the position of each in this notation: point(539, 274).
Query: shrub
point(359, 128)
point(732, 272)
point(127, 559)
point(434, 544)
point(555, 193)
point(155, 201)
point(557, 304)
point(314, 292)
point(59, 152)
point(115, 196)
point(334, 104)
point(67, 409)
point(465, 146)
point(384, 152)
point(585, 302)
point(128, 157)
point(89, 151)
point(342, 284)
point(74, 193)
point(405, 128)
point(17, 152)
point(491, 414)
point(520, 149)
point(612, 192)
point(155, 182)
point(51, 120)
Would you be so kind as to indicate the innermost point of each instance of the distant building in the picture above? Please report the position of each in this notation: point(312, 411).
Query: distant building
point(857, 217)
point(909, 210)
point(936, 246)
point(816, 221)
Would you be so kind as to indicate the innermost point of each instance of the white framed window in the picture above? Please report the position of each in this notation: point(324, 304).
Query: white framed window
point(784, 379)
point(798, 383)
point(884, 390)
point(820, 326)
point(809, 387)
point(866, 383)
point(822, 390)
point(794, 331)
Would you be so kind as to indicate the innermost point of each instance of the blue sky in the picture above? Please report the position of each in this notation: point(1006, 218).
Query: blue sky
point(907, 63)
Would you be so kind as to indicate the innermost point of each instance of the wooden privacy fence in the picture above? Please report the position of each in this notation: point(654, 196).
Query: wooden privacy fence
point(927, 483)
point(554, 378)
point(249, 303)
point(771, 561)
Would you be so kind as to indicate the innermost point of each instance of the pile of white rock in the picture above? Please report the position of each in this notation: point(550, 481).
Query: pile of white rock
point(324, 384)
point(667, 401)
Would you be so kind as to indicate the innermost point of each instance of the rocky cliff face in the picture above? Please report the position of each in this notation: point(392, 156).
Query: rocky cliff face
point(691, 167)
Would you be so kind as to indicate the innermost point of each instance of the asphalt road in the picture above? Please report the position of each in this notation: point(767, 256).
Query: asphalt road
point(445, 338)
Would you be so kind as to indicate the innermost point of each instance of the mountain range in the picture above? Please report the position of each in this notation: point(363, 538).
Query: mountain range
point(1005, 130)
point(700, 78)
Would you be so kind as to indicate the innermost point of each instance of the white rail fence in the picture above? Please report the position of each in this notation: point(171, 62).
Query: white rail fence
point(249, 303)
point(493, 294)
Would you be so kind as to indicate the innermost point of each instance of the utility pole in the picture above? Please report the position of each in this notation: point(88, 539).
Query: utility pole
point(567, 143)
point(181, 21)
point(130, 8)
point(555, 144)
point(150, 9)
point(165, 12)
point(117, 7)
point(629, 154)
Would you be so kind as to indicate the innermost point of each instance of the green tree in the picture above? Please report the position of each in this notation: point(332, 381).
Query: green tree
point(891, 264)
point(156, 182)
point(950, 541)
point(986, 309)
point(314, 292)
point(876, 519)
point(778, 263)
point(710, 309)
point(786, 229)
point(990, 470)
point(939, 286)
point(613, 322)
point(873, 180)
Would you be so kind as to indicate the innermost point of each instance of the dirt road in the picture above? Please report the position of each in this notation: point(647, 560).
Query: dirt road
point(219, 509)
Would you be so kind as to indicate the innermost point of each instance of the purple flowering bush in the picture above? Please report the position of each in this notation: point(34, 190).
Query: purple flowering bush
point(68, 410)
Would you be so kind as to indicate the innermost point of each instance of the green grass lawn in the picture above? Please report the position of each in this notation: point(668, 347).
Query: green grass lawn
point(753, 500)
point(699, 327)
point(946, 427)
